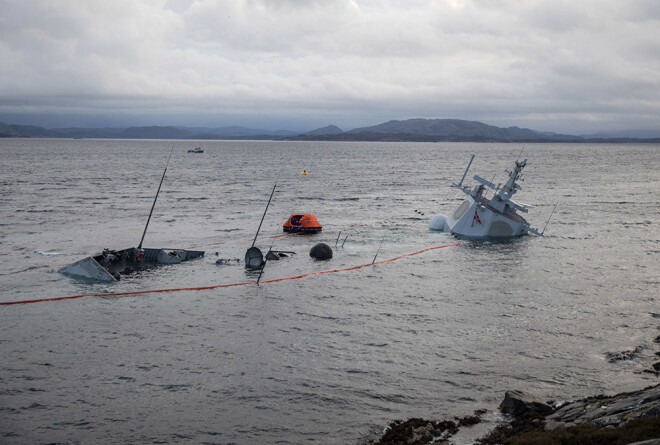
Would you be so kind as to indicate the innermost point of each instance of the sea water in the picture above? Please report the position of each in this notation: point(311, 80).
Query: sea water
point(330, 358)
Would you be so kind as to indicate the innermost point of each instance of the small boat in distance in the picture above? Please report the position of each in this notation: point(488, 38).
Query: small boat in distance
point(304, 173)
point(478, 218)
point(196, 150)
point(302, 222)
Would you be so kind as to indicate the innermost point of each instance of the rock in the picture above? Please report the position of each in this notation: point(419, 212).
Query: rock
point(517, 403)
point(613, 357)
point(469, 421)
point(621, 418)
point(417, 431)
point(603, 411)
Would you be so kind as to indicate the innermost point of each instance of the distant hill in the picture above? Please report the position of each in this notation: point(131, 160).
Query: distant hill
point(150, 132)
point(434, 130)
point(448, 128)
point(637, 134)
point(330, 129)
point(233, 132)
point(22, 131)
point(87, 132)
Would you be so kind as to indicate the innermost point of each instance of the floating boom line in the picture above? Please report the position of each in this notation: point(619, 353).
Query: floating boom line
point(219, 286)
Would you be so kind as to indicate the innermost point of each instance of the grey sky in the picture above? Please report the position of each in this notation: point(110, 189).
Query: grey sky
point(557, 65)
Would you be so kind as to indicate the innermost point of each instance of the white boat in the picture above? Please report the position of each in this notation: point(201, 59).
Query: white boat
point(479, 218)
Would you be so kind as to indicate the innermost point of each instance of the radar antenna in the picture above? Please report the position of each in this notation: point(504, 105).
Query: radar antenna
point(546, 223)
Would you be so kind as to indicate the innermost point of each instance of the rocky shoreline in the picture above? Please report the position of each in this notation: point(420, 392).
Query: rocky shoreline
point(626, 418)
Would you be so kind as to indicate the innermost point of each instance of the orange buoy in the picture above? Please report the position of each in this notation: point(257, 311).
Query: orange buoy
point(302, 222)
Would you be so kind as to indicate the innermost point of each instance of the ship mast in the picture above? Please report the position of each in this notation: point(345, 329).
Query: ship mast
point(511, 187)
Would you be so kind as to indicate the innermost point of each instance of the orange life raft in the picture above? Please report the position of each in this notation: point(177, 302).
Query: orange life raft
point(302, 222)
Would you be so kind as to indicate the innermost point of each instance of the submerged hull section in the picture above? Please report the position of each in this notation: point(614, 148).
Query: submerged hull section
point(474, 221)
point(111, 264)
point(87, 268)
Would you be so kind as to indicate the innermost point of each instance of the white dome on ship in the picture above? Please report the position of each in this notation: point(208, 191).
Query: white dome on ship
point(438, 222)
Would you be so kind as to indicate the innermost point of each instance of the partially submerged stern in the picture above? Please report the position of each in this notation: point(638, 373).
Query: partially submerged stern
point(111, 264)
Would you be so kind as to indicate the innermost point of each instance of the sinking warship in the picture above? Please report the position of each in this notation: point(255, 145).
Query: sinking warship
point(479, 218)
point(110, 265)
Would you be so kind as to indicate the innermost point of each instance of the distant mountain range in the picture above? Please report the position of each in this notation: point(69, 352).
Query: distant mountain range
point(436, 130)
point(152, 132)
point(422, 130)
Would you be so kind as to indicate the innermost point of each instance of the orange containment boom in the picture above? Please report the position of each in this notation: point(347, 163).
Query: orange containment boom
point(302, 222)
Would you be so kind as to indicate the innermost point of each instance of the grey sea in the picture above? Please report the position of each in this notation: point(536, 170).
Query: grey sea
point(329, 358)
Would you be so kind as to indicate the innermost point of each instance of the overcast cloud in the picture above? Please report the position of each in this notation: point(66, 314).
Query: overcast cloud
point(557, 65)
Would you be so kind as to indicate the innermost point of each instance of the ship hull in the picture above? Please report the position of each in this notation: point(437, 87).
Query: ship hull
point(474, 221)
point(111, 264)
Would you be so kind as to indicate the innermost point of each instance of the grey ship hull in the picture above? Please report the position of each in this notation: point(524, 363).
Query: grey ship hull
point(111, 264)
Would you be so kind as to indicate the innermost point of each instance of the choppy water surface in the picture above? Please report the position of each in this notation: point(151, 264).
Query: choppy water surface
point(330, 358)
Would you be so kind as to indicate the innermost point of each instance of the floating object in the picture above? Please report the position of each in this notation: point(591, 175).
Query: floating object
point(275, 255)
point(304, 173)
point(321, 251)
point(302, 222)
point(438, 222)
point(254, 259)
point(196, 150)
point(227, 261)
point(478, 218)
point(111, 264)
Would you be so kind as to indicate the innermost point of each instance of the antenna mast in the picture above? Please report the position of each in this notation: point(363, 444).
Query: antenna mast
point(156, 198)
point(264, 215)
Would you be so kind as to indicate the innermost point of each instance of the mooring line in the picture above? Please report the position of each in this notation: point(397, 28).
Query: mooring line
point(250, 239)
point(219, 286)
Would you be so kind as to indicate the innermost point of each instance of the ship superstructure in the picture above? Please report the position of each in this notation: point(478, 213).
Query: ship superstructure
point(479, 218)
